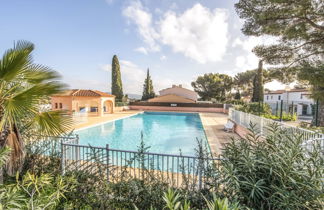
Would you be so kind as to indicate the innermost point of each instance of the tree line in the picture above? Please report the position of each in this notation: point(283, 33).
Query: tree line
point(297, 26)
point(219, 87)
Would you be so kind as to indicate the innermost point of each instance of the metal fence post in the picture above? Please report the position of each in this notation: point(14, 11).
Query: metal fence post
point(200, 164)
point(316, 113)
point(281, 107)
point(107, 160)
point(62, 158)
point(77, 150)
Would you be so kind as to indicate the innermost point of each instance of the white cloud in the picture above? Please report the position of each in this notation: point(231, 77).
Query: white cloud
point(248, 60)
point(141, 50)
point(143, 19)
point(163, 57)
point(199, 33)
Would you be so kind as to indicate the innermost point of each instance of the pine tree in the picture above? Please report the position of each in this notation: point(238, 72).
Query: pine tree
point(258, 90)
point(148, 90)
point(298, 29)
point(116, 83)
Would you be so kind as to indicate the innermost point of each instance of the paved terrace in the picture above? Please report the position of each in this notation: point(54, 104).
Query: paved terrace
point(214, 129)
point(213, 124)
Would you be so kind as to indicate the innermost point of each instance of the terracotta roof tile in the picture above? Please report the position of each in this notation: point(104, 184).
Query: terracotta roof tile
point(86, 93)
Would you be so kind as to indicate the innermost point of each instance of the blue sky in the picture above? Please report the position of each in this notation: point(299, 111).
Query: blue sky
point(177, 40)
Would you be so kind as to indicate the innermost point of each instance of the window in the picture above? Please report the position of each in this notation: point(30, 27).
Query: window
point(279, 97)
point(93, 109)
point(267, 97)
point(301, 96)
point(271, 97)
point(56, 106)
point(82, 109)
point(61, 105)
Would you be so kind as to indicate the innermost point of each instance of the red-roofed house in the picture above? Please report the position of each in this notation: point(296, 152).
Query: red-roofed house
point(176, 94)
point(92, 102)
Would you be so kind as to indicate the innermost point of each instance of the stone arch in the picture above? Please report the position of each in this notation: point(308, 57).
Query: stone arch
point(108, 106)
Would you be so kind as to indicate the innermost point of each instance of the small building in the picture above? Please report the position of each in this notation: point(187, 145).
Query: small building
point(176, 94)
point(294, 100)
point(91, 102)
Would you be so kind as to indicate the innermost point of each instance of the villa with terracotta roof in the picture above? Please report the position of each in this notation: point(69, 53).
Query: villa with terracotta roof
point(176, 94)
point(92, 102)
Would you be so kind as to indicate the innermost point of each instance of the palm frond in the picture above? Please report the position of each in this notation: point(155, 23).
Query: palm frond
point(16, 60)
point(4, 154)
point(24, 88)
point(37, 73)
point(51, 123)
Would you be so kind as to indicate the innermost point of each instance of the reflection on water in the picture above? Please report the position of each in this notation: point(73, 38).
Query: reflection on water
point(163, 132)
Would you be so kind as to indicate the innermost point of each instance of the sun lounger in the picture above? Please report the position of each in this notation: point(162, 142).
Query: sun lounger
point(229, 126)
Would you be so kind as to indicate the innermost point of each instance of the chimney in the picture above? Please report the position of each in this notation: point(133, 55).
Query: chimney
point(180, 86)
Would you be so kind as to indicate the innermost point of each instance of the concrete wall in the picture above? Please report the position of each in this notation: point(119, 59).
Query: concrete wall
point(241, 131)
point(178, 109)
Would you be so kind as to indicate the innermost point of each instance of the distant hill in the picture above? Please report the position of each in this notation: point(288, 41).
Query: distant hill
point(134, 96)
point(131, 95)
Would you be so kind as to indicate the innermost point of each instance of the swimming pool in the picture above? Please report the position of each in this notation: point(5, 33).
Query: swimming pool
point(163, 132)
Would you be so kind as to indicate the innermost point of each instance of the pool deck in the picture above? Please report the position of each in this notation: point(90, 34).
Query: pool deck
point(91, 121)
point(213, 124)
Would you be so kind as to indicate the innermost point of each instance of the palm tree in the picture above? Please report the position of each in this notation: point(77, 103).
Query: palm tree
point(24, 89)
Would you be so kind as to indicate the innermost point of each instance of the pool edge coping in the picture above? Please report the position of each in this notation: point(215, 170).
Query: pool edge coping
point(211, 137)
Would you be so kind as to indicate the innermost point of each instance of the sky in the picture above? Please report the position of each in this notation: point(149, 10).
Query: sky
point(178, 40)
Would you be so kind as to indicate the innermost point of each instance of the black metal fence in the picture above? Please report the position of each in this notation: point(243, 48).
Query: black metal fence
point(307, 111)
point(116, 165)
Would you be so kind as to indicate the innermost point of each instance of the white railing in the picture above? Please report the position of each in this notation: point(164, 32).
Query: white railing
point(262, 125)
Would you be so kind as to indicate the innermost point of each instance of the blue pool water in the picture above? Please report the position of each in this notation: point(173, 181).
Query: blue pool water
point(163, 132)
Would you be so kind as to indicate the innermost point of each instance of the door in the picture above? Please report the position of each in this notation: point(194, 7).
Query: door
point(304, 109)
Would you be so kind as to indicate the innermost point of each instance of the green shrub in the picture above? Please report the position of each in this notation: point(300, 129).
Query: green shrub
point(34, 192)
point(254, 108)
point(273, 173)
point(121, 103)
point(235, 102)
point(285, 116)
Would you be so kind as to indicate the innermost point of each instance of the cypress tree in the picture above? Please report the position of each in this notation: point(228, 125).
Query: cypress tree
point(258, 90)
point(237, 95)
point(116, 83)
point(148, 90)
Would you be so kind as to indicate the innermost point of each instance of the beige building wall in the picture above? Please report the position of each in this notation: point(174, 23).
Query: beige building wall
point(72, 104)
point(171, 99)
point(64, 101)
